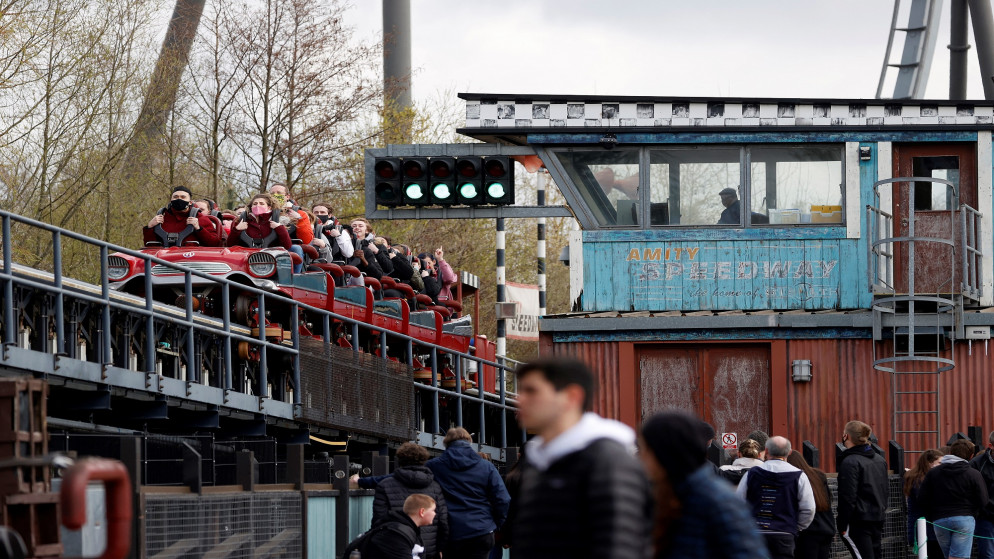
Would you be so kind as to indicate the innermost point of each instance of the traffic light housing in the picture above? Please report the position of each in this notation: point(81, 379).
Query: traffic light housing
point(387, 171)
point(414, 181)
point(469, 180)
point(442, 181)
point(498, 180)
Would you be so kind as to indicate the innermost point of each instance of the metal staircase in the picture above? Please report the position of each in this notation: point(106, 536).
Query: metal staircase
point(920, 317)
point(919, 36)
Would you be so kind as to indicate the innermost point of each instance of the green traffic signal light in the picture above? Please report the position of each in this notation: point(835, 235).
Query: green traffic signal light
point(496, 190)
point(441, 191)
point(468, 190)
point(414, 191)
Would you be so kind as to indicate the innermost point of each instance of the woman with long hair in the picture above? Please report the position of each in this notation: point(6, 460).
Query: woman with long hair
point(912, 486)
point(815, 541)
point(259, 227)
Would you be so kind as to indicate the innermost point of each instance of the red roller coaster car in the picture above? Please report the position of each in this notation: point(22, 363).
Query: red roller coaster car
point(271, 269)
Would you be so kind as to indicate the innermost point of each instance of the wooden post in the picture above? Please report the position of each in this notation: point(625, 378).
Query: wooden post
point(295, 465)
point(340, 480)
point(246, 469)
point(811, 454)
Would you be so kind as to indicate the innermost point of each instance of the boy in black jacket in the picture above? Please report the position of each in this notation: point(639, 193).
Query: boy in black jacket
point(863, 489)
point(398, 535)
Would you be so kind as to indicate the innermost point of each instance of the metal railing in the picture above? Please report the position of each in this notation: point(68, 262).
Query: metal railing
point(973, 269)
point(192, 326)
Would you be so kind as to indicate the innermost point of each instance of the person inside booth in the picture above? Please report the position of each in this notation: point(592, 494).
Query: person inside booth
point(181, 223)
point(732, 214)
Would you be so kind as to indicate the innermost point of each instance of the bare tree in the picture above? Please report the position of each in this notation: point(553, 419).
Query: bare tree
point(307, 82)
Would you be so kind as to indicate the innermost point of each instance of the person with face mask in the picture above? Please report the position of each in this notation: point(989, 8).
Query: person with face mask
point(328, 232)
point(288, 210)
point(181, 223)
point(257, 227)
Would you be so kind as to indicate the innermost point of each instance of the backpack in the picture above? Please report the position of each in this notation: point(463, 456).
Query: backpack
point(359, 544)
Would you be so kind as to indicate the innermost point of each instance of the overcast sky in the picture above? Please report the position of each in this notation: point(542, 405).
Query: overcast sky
point(759, 48)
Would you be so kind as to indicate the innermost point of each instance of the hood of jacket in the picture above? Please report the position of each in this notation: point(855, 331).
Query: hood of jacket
point(590, 428)
point(865, 451)
point(951, 459)
point(460, 456)
point(414, 476)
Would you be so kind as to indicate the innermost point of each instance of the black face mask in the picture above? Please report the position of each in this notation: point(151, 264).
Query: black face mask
point(179, 205)
point(324, 218)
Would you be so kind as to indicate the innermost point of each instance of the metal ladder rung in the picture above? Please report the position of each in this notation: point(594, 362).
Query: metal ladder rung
point(919, 28)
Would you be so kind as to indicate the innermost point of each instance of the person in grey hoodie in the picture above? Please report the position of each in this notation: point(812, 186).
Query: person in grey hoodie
point(474, 493)
point(583, 493)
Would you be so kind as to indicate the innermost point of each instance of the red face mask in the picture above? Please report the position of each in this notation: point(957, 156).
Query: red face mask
point(259, 210)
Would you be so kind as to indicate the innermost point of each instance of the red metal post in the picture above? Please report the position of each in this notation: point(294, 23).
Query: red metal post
point(118, 488)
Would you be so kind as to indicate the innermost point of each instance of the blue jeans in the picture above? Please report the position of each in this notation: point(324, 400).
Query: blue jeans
point(299, 252)
point(955, 535)
point(985, 539)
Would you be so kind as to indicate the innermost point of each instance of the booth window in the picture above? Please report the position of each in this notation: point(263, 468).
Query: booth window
point(730, 186)
point(608, 183)
point(796, 185)
point(686, 186)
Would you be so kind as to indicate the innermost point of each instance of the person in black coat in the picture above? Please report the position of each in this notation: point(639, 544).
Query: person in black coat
point(413, 477)
point(398, 536)
point(863, 491)
point(952, 496)
point(582, 493)
point(984, 463)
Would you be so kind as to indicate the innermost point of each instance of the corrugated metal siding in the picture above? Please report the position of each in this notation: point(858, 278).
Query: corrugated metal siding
point(602, 357)
point(844, 386)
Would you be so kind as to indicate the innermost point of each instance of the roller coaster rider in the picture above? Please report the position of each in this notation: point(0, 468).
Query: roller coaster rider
point(181, 223)
point(257, 228)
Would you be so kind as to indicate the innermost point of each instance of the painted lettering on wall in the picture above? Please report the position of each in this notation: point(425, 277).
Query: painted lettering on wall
point(660, 253)
point(730, 275)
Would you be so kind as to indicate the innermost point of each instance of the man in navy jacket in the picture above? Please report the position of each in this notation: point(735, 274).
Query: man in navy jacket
point(475, 494)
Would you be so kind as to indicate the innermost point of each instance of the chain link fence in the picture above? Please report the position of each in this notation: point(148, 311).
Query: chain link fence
point(359, 392)
point(255, 525)
point(895, 539)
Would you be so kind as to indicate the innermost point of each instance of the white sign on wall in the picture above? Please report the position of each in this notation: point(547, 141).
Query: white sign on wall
point(525, 325)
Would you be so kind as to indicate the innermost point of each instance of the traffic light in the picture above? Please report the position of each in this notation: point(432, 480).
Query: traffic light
point(469, 180)
point(498, 180)
point(414, 181)
point(387, 170)
point(442, 181)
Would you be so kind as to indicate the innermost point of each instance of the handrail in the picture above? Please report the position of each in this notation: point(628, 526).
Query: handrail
point(188, 320)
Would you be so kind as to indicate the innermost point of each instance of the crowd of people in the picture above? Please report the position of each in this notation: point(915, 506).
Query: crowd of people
point(274, 219)
point(586, 486)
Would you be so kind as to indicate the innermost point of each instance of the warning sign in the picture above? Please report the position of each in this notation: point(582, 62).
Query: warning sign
point(729, 440)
